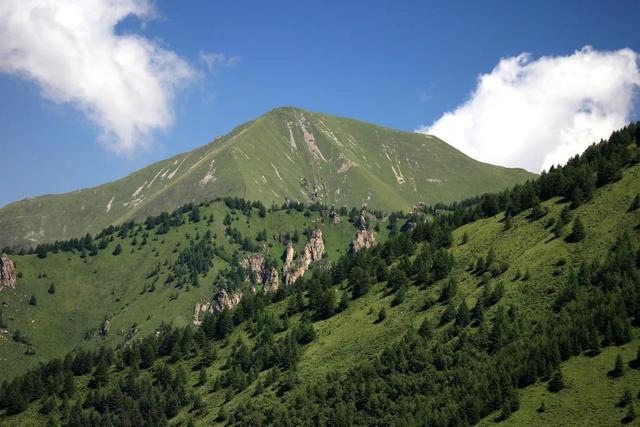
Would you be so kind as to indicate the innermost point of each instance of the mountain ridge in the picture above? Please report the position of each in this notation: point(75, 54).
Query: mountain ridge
point(285, 154)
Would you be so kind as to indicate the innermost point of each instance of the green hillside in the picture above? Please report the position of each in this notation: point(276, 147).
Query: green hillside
point(477, 315)
point(285, 154)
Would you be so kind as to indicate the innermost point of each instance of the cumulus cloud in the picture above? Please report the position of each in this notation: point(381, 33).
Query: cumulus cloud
point(538, 113)
point(124, 83)
point(215, 60)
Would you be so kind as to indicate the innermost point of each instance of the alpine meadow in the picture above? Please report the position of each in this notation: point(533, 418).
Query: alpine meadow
point(309, 269)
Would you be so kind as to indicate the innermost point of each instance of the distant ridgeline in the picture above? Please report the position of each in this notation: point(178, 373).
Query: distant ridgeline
point(427, 327)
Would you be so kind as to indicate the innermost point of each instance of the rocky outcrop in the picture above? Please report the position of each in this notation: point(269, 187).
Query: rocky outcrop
point(104, 328)
point(7, 273)
point(221, 300)
point(289, 252)
point(335, 218)
point(264, 275)
point(313, 251)
point(364, 239)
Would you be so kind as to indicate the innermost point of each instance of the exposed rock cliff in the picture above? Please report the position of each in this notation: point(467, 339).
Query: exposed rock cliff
point(264, 274)
point(313, 251)
point(221, 300)
point(7, 273)
point(364, 239)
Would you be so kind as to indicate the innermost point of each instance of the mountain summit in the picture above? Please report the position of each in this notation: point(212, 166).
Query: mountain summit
point(286, 153)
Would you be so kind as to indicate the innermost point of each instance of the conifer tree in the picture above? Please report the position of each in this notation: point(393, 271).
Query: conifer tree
point(556, 383)
point(618, 368)
point(578, 232)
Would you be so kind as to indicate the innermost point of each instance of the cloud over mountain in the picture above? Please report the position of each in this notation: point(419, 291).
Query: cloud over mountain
point(124, 83)
point(537, 113)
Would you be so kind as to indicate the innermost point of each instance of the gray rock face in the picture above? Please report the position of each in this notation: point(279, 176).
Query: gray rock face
point(7, 273)
point(313, 251)
point(268, 277)
point(364, 239)
point(221, 300)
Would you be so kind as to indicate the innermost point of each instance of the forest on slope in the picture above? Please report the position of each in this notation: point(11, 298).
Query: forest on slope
point(461, 314)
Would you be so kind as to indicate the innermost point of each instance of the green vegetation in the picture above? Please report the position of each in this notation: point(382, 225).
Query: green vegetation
point(285, 154)
point(513, 326)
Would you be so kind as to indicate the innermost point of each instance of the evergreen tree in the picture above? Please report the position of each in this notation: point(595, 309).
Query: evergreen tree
point(382, 314)
point(541, 409)
point(202, 378)
point(449, 290)
point(359, 282)
point(463, 317)
point(33, 300)
point(344, 301)
point(631, 413)
point(52, 288)
point(565, 215)
point(618, 368)
point(577, 232)
point(117, 250)
point(465, 238)
point(556, 383)
point(626, 398)
point(426, 329)
point(3, 324)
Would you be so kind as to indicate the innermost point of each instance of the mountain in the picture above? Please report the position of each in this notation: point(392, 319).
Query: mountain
point(521, 310)
point(285, 154)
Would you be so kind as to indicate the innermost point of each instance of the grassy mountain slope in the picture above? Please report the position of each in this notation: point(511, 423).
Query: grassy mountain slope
point(91, 289)
point(537, 268)
point(286, 153)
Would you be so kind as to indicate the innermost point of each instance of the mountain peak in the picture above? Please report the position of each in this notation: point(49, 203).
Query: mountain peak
point(286, 154)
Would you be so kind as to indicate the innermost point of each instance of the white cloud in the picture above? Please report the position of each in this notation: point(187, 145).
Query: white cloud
point(537, 113)
point(124, 83)
point(215, 60)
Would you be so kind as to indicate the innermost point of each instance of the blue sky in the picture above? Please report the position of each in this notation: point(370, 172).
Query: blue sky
point(399, 64)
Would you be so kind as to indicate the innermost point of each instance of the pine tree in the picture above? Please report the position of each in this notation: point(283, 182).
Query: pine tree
point(117, 250)
point(507, 220)
point(626, 398)
point(344, 301)
point(578, 232)
point(541, 408)
point(565, 215)
point(382, 314)
point(463, 317)
point(33, 300)
point(52, 289)
point(618, 368)
point(556, 383)
point(3, 324)
point(202, 379)
point(426, 329)
point(631, 413)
